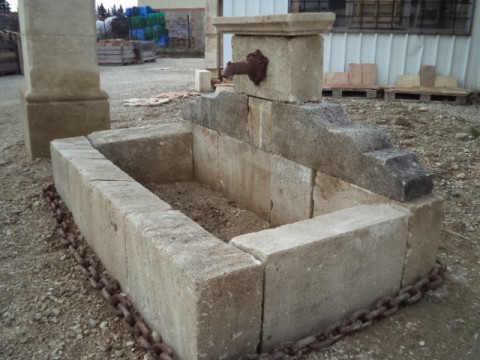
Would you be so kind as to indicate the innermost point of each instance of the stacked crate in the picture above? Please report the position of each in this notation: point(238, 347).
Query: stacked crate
point(10, 57)
point(116, 52)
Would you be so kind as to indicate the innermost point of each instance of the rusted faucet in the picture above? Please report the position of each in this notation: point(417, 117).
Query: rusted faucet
point(255, 67)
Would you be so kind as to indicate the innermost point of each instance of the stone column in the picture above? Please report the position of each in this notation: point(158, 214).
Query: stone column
point(62, 96)
point(213, 39)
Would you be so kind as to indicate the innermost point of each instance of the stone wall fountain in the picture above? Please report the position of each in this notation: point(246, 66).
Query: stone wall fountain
point(356, 219)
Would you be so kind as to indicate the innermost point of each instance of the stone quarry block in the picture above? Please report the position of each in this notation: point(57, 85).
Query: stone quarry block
point(321, 137)
point(245, 172)
point(259, 122)
point(225, 112)
point(446, 81)
point(333, 262)
point(355, 74)
point(294, 71)
point(204, 296)
point(291, 190)
point(160, 154)
point(408, 80)
point(369, 74)
point(336, 78)
point(205, 156)
point(203, 81)
point(427, 76)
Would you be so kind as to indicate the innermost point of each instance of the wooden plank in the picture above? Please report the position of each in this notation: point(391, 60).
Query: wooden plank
point(369, 74)
point(355, 74)
point(427, 75)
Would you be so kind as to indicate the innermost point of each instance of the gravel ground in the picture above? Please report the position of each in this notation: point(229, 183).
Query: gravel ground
point(48, 310)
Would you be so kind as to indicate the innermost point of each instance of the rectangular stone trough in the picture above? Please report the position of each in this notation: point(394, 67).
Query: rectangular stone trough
point(337, 247)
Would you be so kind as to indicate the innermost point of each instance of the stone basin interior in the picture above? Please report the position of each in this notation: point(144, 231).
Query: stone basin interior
point(337, 248)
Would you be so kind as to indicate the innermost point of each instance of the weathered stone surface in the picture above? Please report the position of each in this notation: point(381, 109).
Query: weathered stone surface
point(424, 225)
point(161, 153)
point(44, 121)
point(320, 136)
point(333, 262)
point(301, 24)
point(291, 190)
point(205, 156)
point(203, 81)
point(259, 122)
point(294, 71)
point(244, 173)
point(62, 96)
point(225, 112)
point(198, 288)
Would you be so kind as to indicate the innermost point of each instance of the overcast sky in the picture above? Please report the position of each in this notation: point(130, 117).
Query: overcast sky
point(107, 3)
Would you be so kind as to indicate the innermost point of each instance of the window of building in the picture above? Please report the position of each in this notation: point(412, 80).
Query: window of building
point(416, 16)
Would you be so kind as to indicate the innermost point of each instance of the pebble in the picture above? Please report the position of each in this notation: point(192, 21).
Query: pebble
point(461, 136)
point(131, 344)
point(93, 323)
point(461, 176)
point(104, 325)
point(421, 343)
point(156, 336)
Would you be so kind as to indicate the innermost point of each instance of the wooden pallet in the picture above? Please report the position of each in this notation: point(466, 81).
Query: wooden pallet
point(419, 94)
point(341, 92)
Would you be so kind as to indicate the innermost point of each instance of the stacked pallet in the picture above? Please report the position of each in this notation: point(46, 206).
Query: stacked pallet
point(9, 54)
point(359, 81)
point(115, 52)
point(145, 51)
point(427, 87)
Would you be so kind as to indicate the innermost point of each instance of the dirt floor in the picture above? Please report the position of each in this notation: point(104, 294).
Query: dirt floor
point(49, 311)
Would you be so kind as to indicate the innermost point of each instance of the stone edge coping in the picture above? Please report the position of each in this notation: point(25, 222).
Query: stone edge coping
point(302, 24)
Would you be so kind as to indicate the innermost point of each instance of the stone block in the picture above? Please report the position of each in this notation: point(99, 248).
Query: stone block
point(225, 112)
point(47, 120)
point(408, 80)
point(150, 154)
point(300, 82)
point(110, 203)
point(205, 156)
point(244, 173)
point(260, 122)
point(339, 263)
point(369, 74)
point(321, 137)
point(446, 81)
point(336, 78)
point(291, 190)
point(355, 74)
point(427, 76)
point(203, 81)
point(332, 194)
point(424, 225)
point(204, 296)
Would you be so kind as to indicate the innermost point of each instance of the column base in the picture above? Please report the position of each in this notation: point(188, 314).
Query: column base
point(48, 118)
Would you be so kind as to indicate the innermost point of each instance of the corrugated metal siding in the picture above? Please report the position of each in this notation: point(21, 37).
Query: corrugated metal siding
point(173, 4)
point(394, 54)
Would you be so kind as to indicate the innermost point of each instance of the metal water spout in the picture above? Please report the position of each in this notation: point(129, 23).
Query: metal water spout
point(255, 67)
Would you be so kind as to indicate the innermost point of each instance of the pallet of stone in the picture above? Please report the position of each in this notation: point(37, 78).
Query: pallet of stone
point(112, 54)
point(9, 63)
point(145, 51)
point(370, 92)
point(426, 94)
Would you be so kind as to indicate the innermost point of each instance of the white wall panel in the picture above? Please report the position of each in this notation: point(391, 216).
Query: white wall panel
point(394, 54)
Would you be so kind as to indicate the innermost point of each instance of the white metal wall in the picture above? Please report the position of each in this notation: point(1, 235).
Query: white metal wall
point(173, 4)
point(394, 54)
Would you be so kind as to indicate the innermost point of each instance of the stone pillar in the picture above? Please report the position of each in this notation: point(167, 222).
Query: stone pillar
point(213, 39)
point(293, 45)
point(62, 96)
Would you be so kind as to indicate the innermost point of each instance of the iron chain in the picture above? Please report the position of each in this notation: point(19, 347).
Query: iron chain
point(134, 323)
point(110, 290)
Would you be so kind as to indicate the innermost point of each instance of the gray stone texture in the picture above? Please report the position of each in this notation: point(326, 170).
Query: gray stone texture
point(291, 190)
point(244, 173)
point(205, 156)
point(320, 136)
point(225, 112)
point(294, 71)
point(160, 154)
point(259, 122)
point(321, 270)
